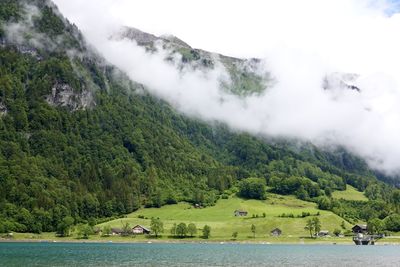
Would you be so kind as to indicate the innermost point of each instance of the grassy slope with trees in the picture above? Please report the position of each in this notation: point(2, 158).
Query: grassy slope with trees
point(349, 194)
point(223, 223)
point(61, 165)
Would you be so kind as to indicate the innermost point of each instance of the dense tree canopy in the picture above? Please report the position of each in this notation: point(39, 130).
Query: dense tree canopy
point(252, 188)
point(67, 163)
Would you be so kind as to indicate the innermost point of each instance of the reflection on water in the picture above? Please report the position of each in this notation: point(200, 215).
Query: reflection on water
point(110, 254)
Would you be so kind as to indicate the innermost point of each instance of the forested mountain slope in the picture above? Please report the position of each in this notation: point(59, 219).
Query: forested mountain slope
point(79, 140)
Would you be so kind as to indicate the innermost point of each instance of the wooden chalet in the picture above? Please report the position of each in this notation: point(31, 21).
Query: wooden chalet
point(140, 230)
point(360, 229)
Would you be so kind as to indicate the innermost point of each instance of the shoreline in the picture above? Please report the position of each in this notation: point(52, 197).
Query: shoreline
point(221, 242)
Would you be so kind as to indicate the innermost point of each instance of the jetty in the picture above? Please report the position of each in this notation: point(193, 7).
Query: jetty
point(364, 239)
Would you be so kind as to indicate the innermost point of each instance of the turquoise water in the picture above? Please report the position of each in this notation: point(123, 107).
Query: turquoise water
point(110, 254)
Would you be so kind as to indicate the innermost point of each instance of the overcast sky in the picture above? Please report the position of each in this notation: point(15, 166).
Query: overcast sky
point(245, 28)
point(340, 32)
point(300, 40)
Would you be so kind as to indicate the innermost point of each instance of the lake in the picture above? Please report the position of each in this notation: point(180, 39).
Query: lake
point(112, 254)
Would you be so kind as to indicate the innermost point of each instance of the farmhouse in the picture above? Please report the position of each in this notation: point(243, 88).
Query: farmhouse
point(116, 231)
point(360, 229)
point(240, 213)
point(139, 230)
point(276, 232)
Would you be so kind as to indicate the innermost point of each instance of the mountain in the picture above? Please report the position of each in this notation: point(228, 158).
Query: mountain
point(341, 81)
point(245, 77)
point(80, 141)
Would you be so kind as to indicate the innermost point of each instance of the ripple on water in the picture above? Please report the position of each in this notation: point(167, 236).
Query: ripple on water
point(112, 254)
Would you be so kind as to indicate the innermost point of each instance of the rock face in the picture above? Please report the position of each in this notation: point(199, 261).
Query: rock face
point(175, 40)
point(147, 39)
point(142, 38)
point(63, 95)
point(340, 81)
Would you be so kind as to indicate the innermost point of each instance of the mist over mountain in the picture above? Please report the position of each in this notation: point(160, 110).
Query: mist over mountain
point(286, 94)
point(94, 130)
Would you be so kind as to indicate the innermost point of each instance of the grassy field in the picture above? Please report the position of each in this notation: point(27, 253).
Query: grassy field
point(50, 237)
point(223, 222)
point(350, 194)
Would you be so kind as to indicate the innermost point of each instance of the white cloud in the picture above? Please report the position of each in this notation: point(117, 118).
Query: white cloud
point(301, 42)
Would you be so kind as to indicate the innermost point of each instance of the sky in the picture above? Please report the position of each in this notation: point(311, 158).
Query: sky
point(300, 42)
point(234, 27)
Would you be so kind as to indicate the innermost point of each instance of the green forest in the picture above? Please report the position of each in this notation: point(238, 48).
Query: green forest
point(98, 157)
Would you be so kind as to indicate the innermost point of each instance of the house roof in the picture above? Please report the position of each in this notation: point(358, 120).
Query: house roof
point(140, 226)
point(116, 230)
point(362, 226)
point(240, 211)
point(276, 230)
point(324, 231)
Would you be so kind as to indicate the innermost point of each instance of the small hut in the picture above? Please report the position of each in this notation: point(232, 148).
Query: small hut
point(323, 233)
point(116, 231)
point(276, 232)
point(240, 213)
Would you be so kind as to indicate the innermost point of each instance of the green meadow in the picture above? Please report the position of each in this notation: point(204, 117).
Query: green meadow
point(278, 211)
point(350, 194)
point(223, 222)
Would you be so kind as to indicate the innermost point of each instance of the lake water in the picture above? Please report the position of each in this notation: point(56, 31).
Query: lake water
point(111, 254)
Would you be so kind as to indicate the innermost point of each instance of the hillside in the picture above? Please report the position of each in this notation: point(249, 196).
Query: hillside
point(223, 223)
point(79, 141)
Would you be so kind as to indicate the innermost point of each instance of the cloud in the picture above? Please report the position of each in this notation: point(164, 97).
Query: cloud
point(24, 33)
point(301, 42)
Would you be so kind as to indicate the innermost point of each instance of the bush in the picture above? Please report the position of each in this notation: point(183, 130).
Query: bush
point(392, 223)
point(234, 235)
point(84, 231)
point(64, 227)
point(336, 232)
point(106, 231)
point(324, 203)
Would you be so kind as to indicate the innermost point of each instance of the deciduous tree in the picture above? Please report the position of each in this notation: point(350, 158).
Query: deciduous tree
point(253, 230)
point(181, 230)
point(192, 230)
point(206, 231)
point(156, 226)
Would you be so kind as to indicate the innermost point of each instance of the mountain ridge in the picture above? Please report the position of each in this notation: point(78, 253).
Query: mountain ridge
point(246, 77)
point(60, 161)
